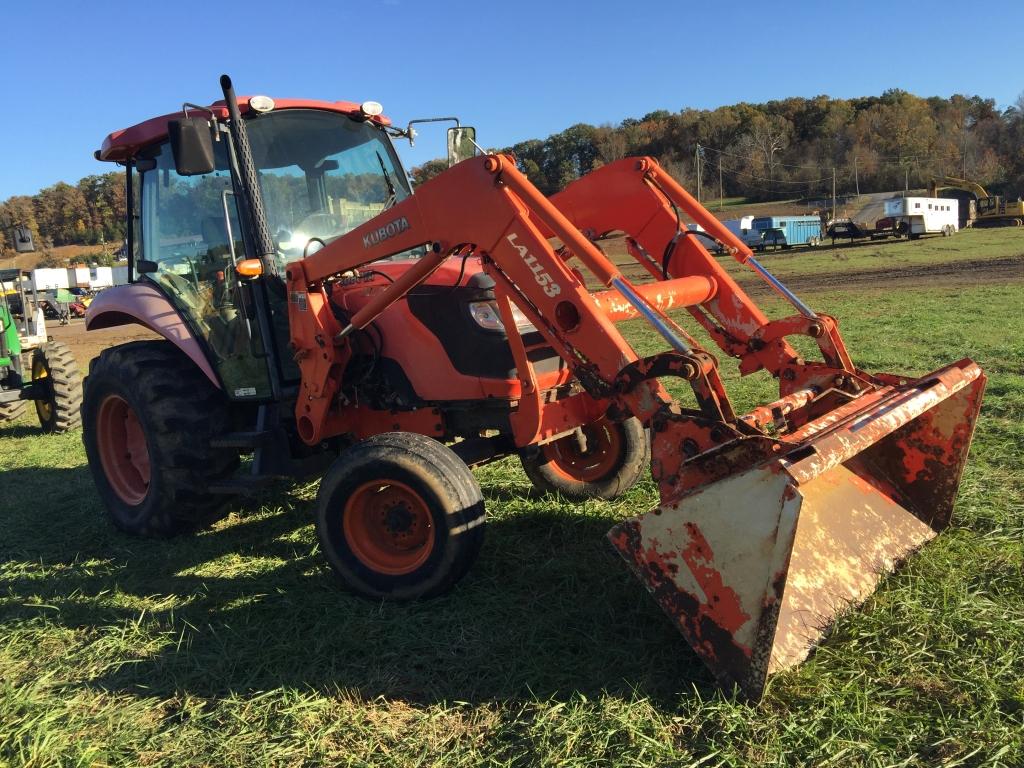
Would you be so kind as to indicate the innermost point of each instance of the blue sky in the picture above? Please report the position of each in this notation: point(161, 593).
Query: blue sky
point(73, 71)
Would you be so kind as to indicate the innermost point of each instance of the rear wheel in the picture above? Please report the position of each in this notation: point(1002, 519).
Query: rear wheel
point(602, 460)
point(400, 516)
point(55, 369)
point(148, 418)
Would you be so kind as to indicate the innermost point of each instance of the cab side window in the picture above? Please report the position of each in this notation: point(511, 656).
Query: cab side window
point(191, 230)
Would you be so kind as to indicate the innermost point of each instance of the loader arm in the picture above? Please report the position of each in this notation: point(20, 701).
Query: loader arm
point(487, 204)
point(636, 196)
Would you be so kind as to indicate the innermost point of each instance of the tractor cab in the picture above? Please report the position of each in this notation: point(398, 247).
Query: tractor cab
point(323, 168)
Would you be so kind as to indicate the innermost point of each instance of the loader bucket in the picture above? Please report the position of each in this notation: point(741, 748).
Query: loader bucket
point(755, 566)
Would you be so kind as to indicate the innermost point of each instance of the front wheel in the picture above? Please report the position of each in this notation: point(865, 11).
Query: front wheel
point(602, 460)
point(400, 517)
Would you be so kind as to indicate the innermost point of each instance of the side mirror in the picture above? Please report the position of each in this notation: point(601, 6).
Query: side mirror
point(461, 144)
point(23, 240)
point(191, 145)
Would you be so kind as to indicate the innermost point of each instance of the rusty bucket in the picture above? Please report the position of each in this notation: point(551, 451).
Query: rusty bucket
point(754, 567)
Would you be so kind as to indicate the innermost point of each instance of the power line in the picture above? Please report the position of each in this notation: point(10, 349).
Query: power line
point(890, 160)
point(802, 182)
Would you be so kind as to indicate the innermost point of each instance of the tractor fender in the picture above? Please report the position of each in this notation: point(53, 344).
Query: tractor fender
point(144, 304)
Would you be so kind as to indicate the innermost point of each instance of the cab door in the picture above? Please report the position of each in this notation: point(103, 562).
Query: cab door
point(192, 234)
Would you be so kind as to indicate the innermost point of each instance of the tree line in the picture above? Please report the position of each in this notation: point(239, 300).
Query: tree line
point(791, 148)
point(87, 213)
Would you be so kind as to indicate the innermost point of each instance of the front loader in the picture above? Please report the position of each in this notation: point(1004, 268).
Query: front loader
point(346, 338)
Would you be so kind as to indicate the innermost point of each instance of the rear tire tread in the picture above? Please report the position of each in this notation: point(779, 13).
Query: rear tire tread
point(11, 411)
point(180, 412)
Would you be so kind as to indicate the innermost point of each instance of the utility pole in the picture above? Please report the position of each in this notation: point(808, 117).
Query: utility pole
point(856, 176)
point(721, 192)
point(906, 180)
point(697, 159)
point(834, 217)
point(965, 150)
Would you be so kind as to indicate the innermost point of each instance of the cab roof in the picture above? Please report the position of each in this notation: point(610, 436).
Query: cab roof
point(123, 144)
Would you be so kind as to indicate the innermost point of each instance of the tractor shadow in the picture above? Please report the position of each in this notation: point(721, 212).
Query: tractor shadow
point(548, 610)
point(20, 430)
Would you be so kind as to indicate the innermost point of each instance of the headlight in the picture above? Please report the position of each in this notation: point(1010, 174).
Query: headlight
point(486, 315)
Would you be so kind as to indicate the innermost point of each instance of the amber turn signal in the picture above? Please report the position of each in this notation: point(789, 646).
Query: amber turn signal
point(250, 267)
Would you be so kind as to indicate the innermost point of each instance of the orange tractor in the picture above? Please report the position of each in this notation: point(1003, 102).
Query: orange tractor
point(321, 317)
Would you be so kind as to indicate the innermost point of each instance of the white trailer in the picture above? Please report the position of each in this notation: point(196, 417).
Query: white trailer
point(742, 228)
point(78, 276)
point(100, 277)
point(46, 279)
point(916, 216)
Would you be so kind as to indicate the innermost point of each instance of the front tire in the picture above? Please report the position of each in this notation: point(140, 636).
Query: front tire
point(149, 415)
point(602, 460)
point(400, 517)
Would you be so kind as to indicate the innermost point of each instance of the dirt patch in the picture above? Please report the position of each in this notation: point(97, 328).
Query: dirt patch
point(1009, 269)
point(973, 272)
point(67, 254)
point(87, 345)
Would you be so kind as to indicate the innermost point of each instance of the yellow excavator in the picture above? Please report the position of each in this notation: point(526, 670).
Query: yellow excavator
point(987, 210)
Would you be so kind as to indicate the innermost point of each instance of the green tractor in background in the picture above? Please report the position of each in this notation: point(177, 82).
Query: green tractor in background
point(33, 367)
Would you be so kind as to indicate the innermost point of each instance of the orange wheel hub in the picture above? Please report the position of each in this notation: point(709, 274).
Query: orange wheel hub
point(388, 527)
point(589, 457)
point(123, 450)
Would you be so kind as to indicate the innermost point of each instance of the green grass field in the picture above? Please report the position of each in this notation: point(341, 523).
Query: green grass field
point(237, 647)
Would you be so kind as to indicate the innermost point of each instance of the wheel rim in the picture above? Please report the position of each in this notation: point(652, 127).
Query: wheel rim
point(123, 450)
point(598, 459)
point(44, 407)
point(389, 527)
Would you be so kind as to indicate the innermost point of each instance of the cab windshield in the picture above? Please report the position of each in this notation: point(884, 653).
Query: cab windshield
point(322, 174)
